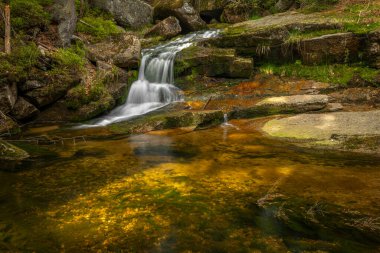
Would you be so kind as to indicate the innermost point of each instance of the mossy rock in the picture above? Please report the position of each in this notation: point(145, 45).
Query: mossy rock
point(10, 155)
point(212, 62)
point(168, 120)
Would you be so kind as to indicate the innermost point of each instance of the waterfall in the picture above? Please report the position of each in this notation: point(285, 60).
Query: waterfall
point(155, 87)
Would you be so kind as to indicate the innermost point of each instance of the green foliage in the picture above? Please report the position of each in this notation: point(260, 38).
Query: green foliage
point(70, 58)
point(80, 95)
point(98, 24)
point(28, 14)
point(336, 73)
point(17, 65)
point(98, 27)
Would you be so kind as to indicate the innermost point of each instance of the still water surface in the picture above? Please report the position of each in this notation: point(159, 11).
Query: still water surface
point(224, 189)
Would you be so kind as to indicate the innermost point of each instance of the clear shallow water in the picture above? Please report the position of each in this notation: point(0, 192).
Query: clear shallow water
point(218, 190)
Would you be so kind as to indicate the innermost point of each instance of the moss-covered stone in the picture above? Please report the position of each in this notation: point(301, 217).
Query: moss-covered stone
point(10, 155)
point(212, 62)
point(168, 120)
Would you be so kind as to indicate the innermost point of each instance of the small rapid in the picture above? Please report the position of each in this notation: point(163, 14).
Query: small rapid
point(155, 87)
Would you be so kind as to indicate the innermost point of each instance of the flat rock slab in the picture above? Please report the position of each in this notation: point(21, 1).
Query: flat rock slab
point(347, 131)
point(325, 126)
point(284, 105)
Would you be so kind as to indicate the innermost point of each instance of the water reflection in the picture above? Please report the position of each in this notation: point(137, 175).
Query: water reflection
point(227, 189)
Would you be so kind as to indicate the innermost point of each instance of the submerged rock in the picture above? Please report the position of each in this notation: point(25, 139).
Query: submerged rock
point(168, 28)
point(283, 105)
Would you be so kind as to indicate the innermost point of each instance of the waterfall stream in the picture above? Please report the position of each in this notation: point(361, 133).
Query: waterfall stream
point(155, 87)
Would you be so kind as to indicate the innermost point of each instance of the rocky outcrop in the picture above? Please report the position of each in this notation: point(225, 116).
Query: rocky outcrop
point(168, 28)
point(340, 47)
point(8, 97)
point(186, 14)
point(267, 38)
point(283, 105)
point(54, 89)
point(66, 17)
point(373, 49)
point(23, 110)
point(123, 52)
point(127, 13)
point(212, 62)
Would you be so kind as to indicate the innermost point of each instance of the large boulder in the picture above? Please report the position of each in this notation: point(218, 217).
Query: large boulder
point(236, 13)
point(127, 13)
point(8, 97)
point(212, 62)
point(210, 9)
point(188, 17)
point(66, 17)
point(340, 47)
point(373, 49)
point(30, 85)
point(168, 28)
point(123, 52)
point(55, 88)
point(23, 110)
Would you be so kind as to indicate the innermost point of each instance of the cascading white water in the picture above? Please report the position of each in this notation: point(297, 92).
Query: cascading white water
point(154, 88)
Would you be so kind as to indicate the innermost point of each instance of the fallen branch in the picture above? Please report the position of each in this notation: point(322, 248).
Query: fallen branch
point(208, 102)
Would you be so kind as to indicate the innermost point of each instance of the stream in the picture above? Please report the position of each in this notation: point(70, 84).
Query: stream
point(223, 189)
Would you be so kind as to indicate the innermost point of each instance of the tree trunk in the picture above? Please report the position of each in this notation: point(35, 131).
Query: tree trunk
point(7, 37)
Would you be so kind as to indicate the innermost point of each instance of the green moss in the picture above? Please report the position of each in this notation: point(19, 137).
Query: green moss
point(70, 58)
point(17, 65)
point(336, 73)
point(29, 14)
point(98, 27)
point(82, 95)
